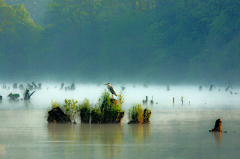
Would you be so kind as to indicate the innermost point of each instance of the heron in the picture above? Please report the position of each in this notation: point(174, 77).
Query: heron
point(111, 89)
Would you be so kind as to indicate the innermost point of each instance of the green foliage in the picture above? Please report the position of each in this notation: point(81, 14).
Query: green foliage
point(121, 98)
point(171, 40)
point(71, 109)
point(137, 115)
point(85, 111)
point(107, 110)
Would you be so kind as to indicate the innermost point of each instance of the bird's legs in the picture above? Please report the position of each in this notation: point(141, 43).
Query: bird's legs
point(112, 95)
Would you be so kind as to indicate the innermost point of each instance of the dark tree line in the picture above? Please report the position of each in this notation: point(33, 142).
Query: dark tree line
point(155, 40)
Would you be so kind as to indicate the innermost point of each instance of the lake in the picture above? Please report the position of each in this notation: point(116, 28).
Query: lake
point(176, 130)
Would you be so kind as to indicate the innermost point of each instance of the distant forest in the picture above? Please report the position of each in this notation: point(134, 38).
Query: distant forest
point(161, 41)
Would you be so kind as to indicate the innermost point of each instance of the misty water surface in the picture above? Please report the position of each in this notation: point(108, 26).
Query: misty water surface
point(176, 130)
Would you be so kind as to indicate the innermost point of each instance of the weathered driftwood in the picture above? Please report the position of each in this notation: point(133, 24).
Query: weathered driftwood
point(56, 115)
point(27, 95)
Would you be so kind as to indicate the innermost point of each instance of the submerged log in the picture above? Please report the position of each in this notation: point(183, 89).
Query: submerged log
point(56, 115)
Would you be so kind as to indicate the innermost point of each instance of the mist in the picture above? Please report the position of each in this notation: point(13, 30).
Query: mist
point(162, 99)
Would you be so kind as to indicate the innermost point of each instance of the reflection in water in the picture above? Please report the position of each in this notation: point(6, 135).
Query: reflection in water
point(112, 136)
point(27, 103)
point(93, 139)
point(62, 137)
point(218, 138)
point(2, 150)
point(140, 133)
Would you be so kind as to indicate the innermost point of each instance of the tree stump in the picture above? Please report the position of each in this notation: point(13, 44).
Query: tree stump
point(56, 115)
point(218, 126)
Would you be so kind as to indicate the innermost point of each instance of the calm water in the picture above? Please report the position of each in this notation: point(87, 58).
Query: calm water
point(176, 131)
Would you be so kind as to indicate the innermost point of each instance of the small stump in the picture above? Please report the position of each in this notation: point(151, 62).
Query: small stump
point(218, 126)
point(56, 115)
point(145, 118)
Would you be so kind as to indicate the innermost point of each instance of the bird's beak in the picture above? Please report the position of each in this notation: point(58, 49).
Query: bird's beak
point(105, 84)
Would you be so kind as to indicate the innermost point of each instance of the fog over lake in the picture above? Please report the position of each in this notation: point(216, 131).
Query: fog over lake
point(176, 130)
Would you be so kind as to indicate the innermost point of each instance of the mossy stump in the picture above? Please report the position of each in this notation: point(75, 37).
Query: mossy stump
point(56, 115)
point(116, 119)
point(109, 113)
point(146, 116)
point(145, 119)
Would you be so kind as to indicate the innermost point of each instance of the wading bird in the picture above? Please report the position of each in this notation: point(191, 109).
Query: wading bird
point(111, 89)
